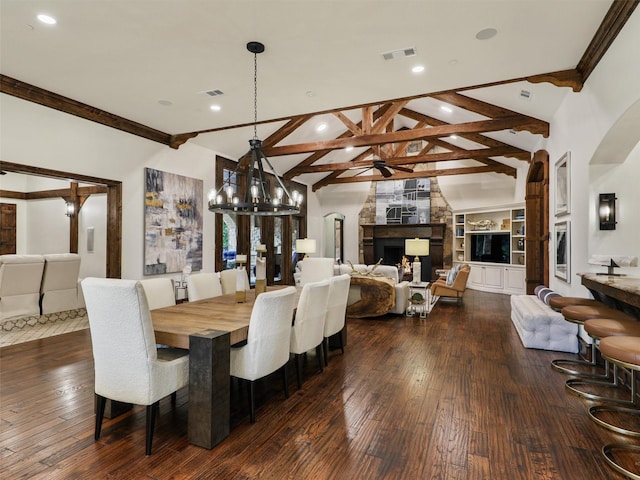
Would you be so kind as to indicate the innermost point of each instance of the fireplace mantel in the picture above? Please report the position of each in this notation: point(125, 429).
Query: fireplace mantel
point(433, 231)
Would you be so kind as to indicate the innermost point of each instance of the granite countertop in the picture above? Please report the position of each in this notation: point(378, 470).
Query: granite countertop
point(627, 283)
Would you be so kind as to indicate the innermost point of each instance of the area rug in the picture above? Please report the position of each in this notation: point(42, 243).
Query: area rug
point(38, 331)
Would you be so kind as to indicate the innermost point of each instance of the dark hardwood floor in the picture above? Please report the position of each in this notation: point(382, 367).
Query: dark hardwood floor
point(454, 396)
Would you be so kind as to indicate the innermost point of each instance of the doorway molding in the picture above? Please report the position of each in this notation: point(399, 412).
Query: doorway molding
point(114, 207)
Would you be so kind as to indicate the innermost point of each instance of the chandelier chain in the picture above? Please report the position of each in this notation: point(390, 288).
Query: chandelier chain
point(255, 96)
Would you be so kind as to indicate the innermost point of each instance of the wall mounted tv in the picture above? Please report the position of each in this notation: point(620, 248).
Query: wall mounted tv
point(490, 247)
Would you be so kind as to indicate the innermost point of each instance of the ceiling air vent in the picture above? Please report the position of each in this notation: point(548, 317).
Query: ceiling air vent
point(526, 94)
point(214, 93)
point(402, 53)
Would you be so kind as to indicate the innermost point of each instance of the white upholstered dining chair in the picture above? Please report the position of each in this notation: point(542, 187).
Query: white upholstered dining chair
point(229, 280)
point(267, 347)
point(308, 327)
point(203, 285)
point(316, 269)
point(159, 292)
point(128, 367)
point(336, 311)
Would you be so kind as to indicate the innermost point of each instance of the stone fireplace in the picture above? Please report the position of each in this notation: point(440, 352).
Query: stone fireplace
point(387, 242)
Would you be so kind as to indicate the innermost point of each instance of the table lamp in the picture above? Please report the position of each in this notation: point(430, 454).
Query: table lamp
point(305, 246)
point(418, 247)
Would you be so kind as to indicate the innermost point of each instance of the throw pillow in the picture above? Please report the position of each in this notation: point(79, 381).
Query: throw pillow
point(545, 294)
point(451, 276)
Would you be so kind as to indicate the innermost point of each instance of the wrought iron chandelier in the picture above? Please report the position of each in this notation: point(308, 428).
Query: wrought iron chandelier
point(257, 199)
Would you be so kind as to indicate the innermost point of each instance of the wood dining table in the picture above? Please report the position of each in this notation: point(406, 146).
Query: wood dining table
point(208, 328)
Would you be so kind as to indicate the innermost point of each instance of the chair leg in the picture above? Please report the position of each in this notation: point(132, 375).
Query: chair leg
point(319, 354)
point(341, 341)
point(285, 372)
point(252, 402)
point(325, 347)
point(298, 360)
point(102, 402)
point(152, 412)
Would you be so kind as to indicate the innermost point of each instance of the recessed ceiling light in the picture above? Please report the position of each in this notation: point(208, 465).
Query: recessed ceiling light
point(215, 108)
point(49, 20)
point(321, 127)
point(453, 137)
point(418, 69)
point(444, 108)
point(349, 148)
point(165, 103)
point(486, 34)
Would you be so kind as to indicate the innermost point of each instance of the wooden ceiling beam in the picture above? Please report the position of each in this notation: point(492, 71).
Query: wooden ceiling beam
point(405, 176)
point(38, 95)
point(353, 127)
point(607, 32)
point(535, 126)
point(292, 172)
point(387, 116)
point(515, 121)
point(483, 153)
point(475, 137)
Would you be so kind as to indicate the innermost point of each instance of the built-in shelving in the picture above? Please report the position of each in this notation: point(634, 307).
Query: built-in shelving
point(502, 271)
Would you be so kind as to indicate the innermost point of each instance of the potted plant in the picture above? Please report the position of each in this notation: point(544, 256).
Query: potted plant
point(416, 299)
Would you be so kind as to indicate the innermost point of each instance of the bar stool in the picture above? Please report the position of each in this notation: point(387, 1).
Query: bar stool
point(558, 303)
point(598, 329)
point(623, 351)
point(578, 314)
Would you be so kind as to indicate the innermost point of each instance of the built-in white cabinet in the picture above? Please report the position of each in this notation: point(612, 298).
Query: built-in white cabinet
point(493, 243)
point(514, 280)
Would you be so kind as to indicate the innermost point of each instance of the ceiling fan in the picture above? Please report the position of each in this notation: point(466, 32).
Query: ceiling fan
point(383, 168)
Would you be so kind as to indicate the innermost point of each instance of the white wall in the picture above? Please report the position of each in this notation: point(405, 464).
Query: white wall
point(347, 200)
point(581, 124)
point(624, 240)
point(39, 136)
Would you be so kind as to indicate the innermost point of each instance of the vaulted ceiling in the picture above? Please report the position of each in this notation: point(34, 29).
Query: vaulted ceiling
point(154, 69)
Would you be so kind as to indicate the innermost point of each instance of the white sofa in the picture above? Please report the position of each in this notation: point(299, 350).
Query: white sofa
point(38, 286)
point(539, 326)
point(389, 271)
point(20, 279)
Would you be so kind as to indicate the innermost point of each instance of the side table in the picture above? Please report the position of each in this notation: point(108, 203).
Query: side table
point(423, 308)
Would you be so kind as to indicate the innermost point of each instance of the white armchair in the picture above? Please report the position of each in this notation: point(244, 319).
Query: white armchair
point(308, 326)
point(20, 279)
point(203, 285)
point(128, 367)
point(267, 348)
point(60, 287)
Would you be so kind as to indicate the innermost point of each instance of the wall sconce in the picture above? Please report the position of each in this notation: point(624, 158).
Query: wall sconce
point(71, 209)
point(305, 245)
point(607, 211)
point(418, 247)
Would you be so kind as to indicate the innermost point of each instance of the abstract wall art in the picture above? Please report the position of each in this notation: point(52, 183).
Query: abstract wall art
point(172, 222)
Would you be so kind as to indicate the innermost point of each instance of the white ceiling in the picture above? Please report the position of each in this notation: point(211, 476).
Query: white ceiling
point(127, 56)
